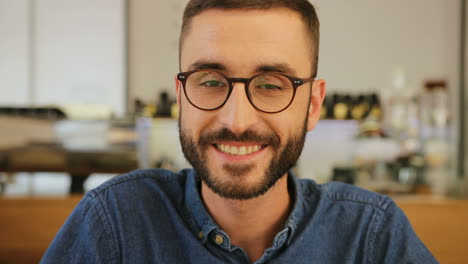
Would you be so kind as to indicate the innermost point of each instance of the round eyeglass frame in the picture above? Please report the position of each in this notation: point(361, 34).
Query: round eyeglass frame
point(295, 81)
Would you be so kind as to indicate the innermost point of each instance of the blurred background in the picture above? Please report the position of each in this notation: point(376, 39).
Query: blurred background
point(87, 92)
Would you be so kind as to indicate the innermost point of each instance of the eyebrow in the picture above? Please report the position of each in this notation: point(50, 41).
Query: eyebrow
point(277, 67)
point(273, 67)
point(207, 65)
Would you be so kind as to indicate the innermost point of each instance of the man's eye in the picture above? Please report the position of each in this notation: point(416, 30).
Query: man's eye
point(269, 86)
point(212, 84)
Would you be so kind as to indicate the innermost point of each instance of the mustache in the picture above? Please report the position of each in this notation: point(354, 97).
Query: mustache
point(225, 134)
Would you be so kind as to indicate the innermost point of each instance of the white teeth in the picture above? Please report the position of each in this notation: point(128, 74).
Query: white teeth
point(242, 150)
point(234, 150)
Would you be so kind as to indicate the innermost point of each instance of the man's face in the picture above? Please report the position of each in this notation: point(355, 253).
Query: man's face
point(243, 43)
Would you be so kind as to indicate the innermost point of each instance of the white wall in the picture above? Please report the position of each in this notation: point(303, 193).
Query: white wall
point(63, 52)
point(362, 41)
point(80, 53)
point(153, 46)
point(14, 52)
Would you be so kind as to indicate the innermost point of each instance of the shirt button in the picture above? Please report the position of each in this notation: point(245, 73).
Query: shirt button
point(201, 235)
point(282, 238)
point(219, 239)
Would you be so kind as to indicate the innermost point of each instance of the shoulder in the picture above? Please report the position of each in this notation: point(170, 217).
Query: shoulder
point(126, 204)
point(371, 222)
point(341, 193)
point(149, 188)
point(141, 180)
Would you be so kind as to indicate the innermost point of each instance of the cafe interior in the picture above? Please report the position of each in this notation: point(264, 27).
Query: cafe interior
point(87, 93)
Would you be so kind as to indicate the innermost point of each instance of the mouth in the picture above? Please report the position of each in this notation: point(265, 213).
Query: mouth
point(239, 150)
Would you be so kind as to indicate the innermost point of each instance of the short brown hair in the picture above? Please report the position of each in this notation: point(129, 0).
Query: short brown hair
point(303, 7)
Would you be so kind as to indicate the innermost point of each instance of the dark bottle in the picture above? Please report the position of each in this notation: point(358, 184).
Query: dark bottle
point(329, 106)
point(163, 108)
point(138, 107)
point(349, 101)
point(375, 111)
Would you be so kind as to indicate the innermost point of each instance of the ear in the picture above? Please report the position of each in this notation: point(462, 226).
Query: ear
point(316, 100)
point(178, 87)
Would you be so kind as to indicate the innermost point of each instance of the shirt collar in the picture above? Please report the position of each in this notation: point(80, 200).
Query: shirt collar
point(297, 212)
point(203, 224)
point(202, 221)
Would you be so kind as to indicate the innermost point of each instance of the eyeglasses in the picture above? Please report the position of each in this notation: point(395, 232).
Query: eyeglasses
point(268, 92)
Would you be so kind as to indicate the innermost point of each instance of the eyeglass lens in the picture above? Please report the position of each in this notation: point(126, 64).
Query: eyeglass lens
point(268, 92)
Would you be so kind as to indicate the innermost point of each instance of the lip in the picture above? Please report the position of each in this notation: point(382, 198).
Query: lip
point(231, 157)
point(239, 144)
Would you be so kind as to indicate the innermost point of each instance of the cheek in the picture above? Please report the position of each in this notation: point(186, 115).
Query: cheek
point(187, 119)
point(290, 121)
point(192, 120)
point(284, 125)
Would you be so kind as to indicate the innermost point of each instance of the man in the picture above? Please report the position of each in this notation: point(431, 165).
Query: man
point(247, 95)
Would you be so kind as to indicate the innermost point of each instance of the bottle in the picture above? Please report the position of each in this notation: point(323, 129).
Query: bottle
point(340, 108)
point(163, 106)
point(329, 105)
point(375, 109)
point(324, 108)
point(348, 100)
point(435, 125)
point(360, 108)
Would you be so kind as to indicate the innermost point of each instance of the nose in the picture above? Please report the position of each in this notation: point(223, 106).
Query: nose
point(238, 114)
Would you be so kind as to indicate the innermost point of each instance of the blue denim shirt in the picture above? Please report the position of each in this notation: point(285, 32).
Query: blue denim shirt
point(156, 216)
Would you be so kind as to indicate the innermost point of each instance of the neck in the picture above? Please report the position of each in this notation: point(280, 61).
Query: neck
point(251, 224)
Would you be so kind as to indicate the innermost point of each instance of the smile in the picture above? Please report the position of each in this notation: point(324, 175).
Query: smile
point(239, 150)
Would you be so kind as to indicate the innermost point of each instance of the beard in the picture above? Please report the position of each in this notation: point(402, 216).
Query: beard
point(284, 158)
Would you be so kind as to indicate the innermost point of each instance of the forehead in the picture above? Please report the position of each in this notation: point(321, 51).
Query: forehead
point(246, 38)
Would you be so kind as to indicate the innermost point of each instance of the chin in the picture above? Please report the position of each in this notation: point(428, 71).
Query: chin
point(244, 186)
